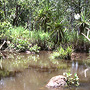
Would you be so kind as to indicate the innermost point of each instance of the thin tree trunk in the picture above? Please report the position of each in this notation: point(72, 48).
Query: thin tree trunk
point(79, 6)
point(15, 20)
point(30, 21)
point(72, 18)
point(86, 6)
point(5, 10)
point(45, 26)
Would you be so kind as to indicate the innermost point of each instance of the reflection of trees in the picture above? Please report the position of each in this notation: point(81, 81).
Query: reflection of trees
point(18, 62)
point(87, 68)
point(75, 66)
point(80, 68)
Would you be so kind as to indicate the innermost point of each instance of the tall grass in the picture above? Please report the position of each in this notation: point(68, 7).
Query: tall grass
point(62, 53)
point(23, 39)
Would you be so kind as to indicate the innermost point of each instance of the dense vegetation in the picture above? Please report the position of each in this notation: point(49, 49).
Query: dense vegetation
point(45, 24)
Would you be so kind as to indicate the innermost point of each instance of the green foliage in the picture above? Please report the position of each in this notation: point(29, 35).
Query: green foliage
point(18, 32)
point(4, 26)
point(44, 17)
point(57, 32)
point(34, 48)
point(55, 19)
point(20, 40)
point(42, 39)
point(21, 45)
point(70, 37)
point(39, 36)
point(69, 51)
point(4, 73)
point(72, 81)
point(62, 54)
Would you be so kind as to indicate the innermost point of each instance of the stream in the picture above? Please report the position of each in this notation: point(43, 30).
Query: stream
point(40, 70)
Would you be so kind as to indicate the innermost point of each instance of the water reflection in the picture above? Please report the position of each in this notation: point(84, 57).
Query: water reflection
point(74, 67)
point(31, 79)
point(37, 78)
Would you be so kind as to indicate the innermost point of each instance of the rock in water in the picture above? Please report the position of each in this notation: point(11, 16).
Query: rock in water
point(57, 81)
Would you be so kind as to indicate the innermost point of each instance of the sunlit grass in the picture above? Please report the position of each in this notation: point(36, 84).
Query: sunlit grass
point(61, 53)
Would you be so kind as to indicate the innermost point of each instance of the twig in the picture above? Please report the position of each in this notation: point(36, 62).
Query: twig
point(2, 44)
point(86, 36)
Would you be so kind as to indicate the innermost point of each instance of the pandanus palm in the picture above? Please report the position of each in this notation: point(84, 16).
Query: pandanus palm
point(43, 18)
point(57, 32)
point(83, 24)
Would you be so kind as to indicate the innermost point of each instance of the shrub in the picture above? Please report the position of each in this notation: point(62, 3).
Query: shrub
point(22, 39)
point(34, 48)
point(4, 27)
point(18, 38)
point(61, 53)
point(42, 39)
point(72, 80)
point(22, 45)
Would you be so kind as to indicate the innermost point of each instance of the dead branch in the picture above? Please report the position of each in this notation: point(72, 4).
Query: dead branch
point(86, 36)
point(2, 44)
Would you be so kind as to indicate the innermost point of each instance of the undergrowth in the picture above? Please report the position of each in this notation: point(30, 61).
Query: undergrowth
point(62, 53)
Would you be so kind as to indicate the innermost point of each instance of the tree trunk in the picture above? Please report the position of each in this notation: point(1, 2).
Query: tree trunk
point(15, 20)
point(30, 20)
point(45, 26)
point(5, 10)
point(79, 6)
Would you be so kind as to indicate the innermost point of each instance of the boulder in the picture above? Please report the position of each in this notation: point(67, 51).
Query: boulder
point(57, 81)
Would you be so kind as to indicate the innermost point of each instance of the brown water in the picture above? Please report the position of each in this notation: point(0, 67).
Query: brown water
point(37, 78)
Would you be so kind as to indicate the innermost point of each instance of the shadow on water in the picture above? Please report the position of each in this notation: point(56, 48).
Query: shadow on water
point(36, 71)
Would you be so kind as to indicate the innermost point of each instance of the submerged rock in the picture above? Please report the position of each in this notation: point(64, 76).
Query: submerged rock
point(57, 81)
